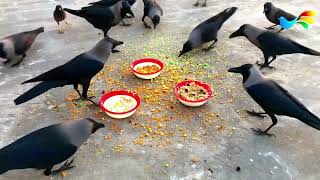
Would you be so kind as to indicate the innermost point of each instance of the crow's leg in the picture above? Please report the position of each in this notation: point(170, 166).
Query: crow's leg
point(211, 45)
point(145, 24)
point(105, 33)
point(257, 114)
point(47, 172)
point(85, 87)
point(75, 86)
point(205, 3)
point(265, 132)
point(266, 63)
point(65, 166)
point(271, 27)
point(197, 3)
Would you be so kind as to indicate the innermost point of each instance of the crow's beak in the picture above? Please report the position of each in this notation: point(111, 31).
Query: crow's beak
point(101, 125)
point(181, 53)
point(235, 70)
point(131, 13)
point(235, 34)
point(155, 25)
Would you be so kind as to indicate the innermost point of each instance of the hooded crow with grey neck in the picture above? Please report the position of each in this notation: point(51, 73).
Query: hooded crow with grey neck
point(152, 10)
point(14, 48)
point(104, 17)
point(273, 99)
point(207, 31)
point(47, 147)
point(271, 44)
point(273, 14)
point(80, 70)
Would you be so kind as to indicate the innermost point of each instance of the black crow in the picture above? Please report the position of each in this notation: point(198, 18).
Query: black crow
point(152, 10)
point(80, 70)
point(59, 15)
point(13, 48)
point(273, 14)
point(46, 147)
point(271, 44)
point(111, 2)
point(273, 99)
point(203, 5)
point(207, 31)
point(103, 17)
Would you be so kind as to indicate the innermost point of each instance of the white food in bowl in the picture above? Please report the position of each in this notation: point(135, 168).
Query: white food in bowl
point(120, 104)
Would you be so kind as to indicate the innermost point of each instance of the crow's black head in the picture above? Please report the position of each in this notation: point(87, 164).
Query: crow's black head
point(239, 32)
point(267, 7)
point(58, 8)
point(95, 125)
point(156, 21)
point(3, 54)
point(186, 48)
point(244, 70)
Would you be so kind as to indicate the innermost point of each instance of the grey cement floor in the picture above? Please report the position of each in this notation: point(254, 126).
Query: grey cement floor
point(294, 154)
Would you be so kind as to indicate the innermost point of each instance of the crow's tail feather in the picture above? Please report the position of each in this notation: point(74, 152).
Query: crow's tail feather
point(38, 90)
point(310, 119)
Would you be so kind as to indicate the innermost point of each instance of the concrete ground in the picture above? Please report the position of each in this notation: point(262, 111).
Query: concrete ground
point(177, 143)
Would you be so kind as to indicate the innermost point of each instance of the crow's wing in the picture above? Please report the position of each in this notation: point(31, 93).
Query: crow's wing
point(288, 16)
point(39, 149)
point(275, 44)
point(275, 99)
point(81, 67)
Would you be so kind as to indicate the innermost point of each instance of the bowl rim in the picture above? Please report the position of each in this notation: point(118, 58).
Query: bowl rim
point(143, 60)
point(116, 93)
point(183, 83)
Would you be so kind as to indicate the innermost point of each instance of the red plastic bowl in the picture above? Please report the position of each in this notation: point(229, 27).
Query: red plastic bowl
point(120, 115)
point(146, 61)
point(189, 102)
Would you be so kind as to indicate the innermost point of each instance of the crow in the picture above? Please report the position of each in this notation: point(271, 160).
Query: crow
point(49, 146)
point(102, 17)
point(271, 44)
point(273, 14)
point(273, 99)
point(13, 48)
point(80, 70)
point(59, 15)
point(207, 31)
point(152, 10)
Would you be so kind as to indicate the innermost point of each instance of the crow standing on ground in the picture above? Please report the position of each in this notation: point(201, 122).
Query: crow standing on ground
point(13, 48)
point(108, 3)
point(46, 147)
point(203, 5)
point(207, 31)
point(152, 10)
point(273, 98)
point(59, 15)
point(80, 70)
point(273, 14)
point(271, 44)
point(102, 17)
